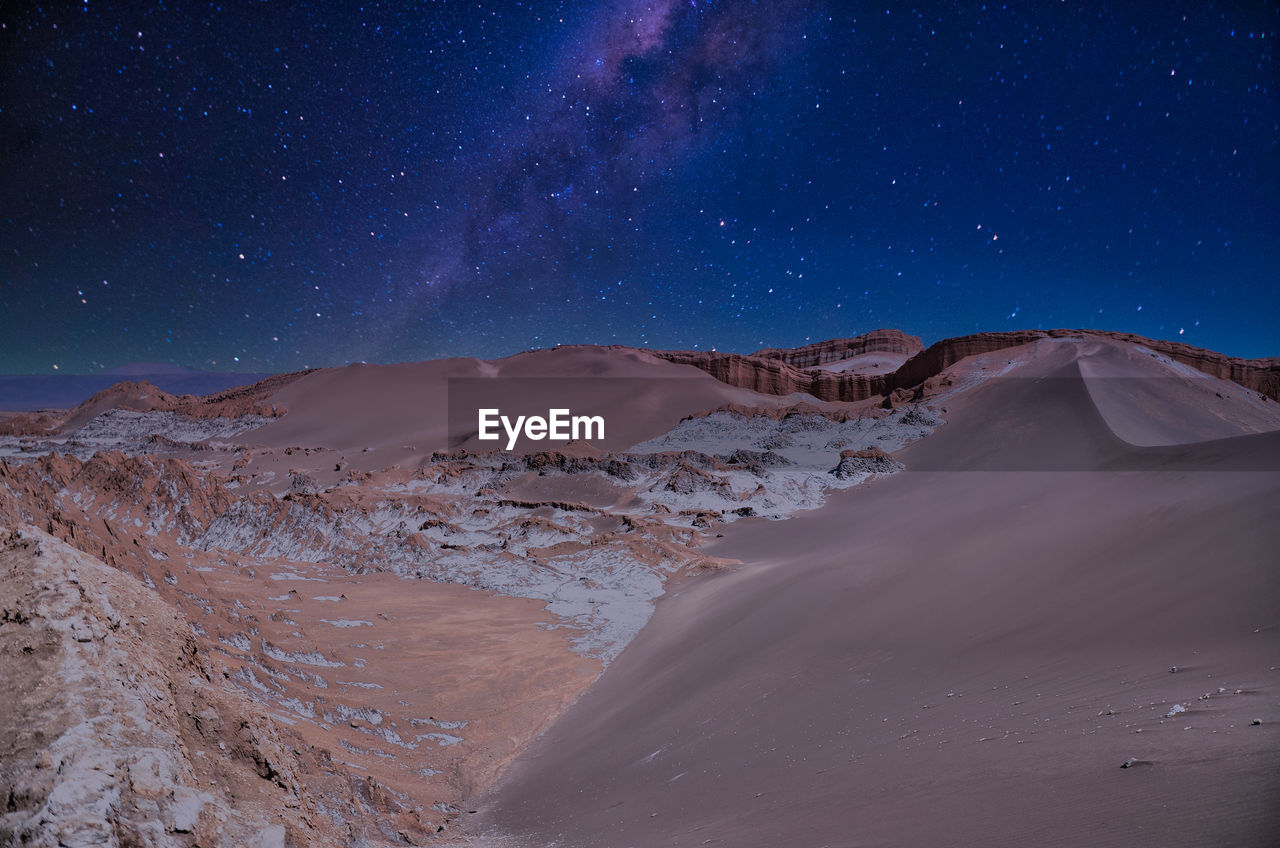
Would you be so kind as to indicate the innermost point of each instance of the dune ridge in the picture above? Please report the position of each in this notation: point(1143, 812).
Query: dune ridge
point(781, 373)
point(1014, 644)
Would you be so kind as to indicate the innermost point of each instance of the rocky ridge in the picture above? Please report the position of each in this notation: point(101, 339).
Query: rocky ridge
point(123, 737)
point(835, 350)
point(142, 397)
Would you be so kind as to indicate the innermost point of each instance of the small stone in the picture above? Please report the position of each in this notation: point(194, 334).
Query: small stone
point(1255, 722)
point(1173, 669)
point(1129, 763)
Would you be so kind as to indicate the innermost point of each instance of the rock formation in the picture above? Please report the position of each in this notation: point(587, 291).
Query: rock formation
point(837, 350)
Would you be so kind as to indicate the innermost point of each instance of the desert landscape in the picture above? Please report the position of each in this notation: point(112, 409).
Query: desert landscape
point(1010, 588)
point(639, 424)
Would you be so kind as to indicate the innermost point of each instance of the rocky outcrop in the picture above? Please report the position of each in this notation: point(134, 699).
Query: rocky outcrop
point(776, 377)
point(254, 399)
point(158, 495)
point(839, 414)
point(107, 736)
point(141, 396)
point(941, 355)
point(771, 372)
point(136, 395)
point(838, 350)
point(28, 423)
point(782, 372)
point(854, 463)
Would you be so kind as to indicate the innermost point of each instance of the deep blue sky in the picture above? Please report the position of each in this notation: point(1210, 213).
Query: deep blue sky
point(195, 182)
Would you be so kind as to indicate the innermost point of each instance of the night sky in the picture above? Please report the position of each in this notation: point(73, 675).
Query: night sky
point(262, 186)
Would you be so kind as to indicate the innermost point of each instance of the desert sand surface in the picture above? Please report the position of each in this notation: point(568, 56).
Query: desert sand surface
point(397, 412)
point(965, 654)
point(797, 597)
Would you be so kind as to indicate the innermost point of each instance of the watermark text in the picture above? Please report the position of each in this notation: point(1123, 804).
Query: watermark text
point(559, 425)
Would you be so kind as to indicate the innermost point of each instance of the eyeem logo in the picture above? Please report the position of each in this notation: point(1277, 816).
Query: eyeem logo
point(559, 426)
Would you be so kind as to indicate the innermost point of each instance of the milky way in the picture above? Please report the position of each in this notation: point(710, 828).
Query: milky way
point(644, 87)
point(265, 186)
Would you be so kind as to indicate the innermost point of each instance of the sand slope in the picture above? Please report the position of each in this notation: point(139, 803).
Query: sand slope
point(377, 415)
point(962, 655)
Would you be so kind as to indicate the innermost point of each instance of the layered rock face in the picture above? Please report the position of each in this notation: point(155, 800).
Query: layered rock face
point(837, 350)
point(1260, 375)
point(784, 372)
point(775, 377)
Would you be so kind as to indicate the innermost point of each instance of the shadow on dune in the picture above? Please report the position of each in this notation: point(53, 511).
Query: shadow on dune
point(961, 654)
point(1052, 423)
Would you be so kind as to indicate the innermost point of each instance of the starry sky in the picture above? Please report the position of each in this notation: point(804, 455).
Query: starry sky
point(263, 186)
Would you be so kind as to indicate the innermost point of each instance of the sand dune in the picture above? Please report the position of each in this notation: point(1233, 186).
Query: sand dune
point(377, 415)
point(1148, 399)
point(963, 655)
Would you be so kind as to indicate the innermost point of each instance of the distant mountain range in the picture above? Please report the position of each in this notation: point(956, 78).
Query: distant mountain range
point(26, 392)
